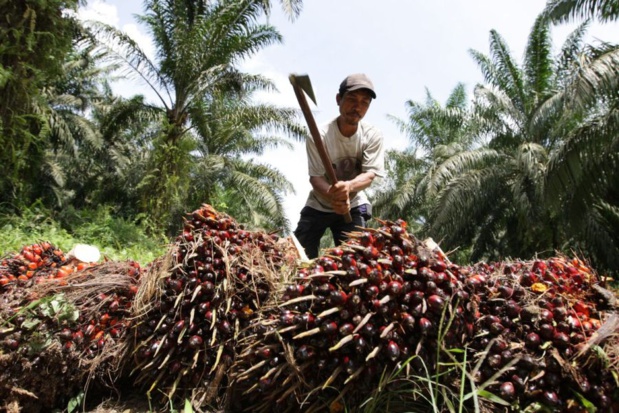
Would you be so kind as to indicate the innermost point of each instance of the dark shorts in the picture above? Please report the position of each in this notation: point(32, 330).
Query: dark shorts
point(313, 224)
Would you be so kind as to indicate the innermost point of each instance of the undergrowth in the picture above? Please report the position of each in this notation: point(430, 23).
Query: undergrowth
point(117, 238)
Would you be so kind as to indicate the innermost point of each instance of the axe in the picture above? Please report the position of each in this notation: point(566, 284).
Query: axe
point(300, 84)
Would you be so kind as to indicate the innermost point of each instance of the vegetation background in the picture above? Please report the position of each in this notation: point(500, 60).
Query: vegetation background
point(525, 166)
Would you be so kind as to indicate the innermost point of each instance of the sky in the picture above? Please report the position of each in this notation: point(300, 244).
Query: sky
point(407, 48)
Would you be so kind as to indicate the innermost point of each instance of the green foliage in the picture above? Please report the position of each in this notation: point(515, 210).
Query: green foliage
point(530, 168)
point(567, 10)
point(200, 145)
point(117, 238)
point(34, 37)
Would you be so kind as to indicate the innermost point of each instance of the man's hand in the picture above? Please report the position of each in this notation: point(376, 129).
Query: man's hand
point(340, 197)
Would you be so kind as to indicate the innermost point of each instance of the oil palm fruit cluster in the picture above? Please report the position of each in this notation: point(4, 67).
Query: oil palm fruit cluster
point(536, 323)
point(55, 332)
point(356, 312)
point(217, 279)
point(35, 262)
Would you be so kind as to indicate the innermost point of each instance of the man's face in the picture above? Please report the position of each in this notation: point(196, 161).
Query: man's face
point(354, 105)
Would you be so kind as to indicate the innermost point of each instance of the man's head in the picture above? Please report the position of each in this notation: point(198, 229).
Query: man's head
point(355, 82)
point(355, 95)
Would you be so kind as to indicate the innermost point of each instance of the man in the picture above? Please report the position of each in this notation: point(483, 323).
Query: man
point(356, 152)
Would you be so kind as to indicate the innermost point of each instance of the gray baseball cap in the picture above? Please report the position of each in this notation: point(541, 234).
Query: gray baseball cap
point(357, 81)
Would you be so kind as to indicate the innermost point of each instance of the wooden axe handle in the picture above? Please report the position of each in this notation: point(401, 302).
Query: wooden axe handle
point(322, 151)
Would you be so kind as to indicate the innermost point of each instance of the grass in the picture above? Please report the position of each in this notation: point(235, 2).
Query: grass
point(117, 238)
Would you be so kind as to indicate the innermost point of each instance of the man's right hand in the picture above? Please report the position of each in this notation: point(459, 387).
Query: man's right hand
point(340, 197)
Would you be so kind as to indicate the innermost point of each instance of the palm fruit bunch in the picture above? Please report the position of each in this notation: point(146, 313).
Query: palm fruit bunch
point(35, 262)
point(355, 313)
point(69, 327)
point(541, 334)
point(196, 303)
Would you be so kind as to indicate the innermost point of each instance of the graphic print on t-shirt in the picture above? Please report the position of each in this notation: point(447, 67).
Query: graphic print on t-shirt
point(347, 168)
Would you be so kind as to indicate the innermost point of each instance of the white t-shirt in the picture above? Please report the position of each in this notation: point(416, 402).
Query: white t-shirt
point(362, 152)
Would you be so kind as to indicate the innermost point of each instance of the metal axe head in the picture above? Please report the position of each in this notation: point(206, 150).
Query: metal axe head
point(304, 83)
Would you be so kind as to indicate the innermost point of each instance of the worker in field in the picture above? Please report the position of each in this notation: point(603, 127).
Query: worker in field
point(356, 151)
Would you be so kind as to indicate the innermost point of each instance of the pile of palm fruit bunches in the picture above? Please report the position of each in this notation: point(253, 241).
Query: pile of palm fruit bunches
point(61, 323)
point(236, 320)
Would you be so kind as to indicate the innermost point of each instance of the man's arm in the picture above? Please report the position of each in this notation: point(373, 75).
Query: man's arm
point(340, 193)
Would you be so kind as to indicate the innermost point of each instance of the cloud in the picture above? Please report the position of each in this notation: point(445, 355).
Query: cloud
point(99, 10)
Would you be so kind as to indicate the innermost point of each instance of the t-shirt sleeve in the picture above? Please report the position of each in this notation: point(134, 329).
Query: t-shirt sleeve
point(374, 154)
point(314, 163)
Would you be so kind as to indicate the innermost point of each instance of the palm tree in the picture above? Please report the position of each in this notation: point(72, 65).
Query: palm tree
point(583, 173)
point(492, 198)
point(565, 10)
point(198, 44)
point(34, 38)
point(436, 133)
point(224, 170)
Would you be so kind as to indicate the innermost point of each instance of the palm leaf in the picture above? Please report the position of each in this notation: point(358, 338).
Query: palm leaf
point(565, 10)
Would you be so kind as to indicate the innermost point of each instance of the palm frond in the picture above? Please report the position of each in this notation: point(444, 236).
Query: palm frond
point(560, 11)
point(538, 63)
point(509, 77)
point(583, 162)
point(596, 76)
point(123, 50)
point(455, 166)
point(570, 51)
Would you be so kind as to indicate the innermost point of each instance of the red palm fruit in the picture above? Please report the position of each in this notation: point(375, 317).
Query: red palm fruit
point(366, 238)
point(560, 313)
point(338, 252)
point(512, 309)
point(11, 343)
point(425, 325)
point(475, 282)
point(539, 267)
point(78, 337)
point(89, 330)
point(195, 341)
point(505, 291)
point(394, 288)
point(178, 326)
point(561, 340)
point(408, 321)
point(546, 315)
point(329, 328)
point(304, 352)
point(494, 360)
point(65, 334)
point(371, 253)
point(546, 331)
point(581, 308)
point(436, 303)
point(507, 390)
point(574, 322)
point(527, 279)
point(393, 350)
point(551, 398)
point(346, 329)
point(360, 344)
point(369, 331)
point(496, 328)
point(337, 298)
point(371, 291)
point(532, 340)
point(264, 352)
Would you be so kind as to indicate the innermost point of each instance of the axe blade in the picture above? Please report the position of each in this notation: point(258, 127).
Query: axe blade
point(304, 83)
